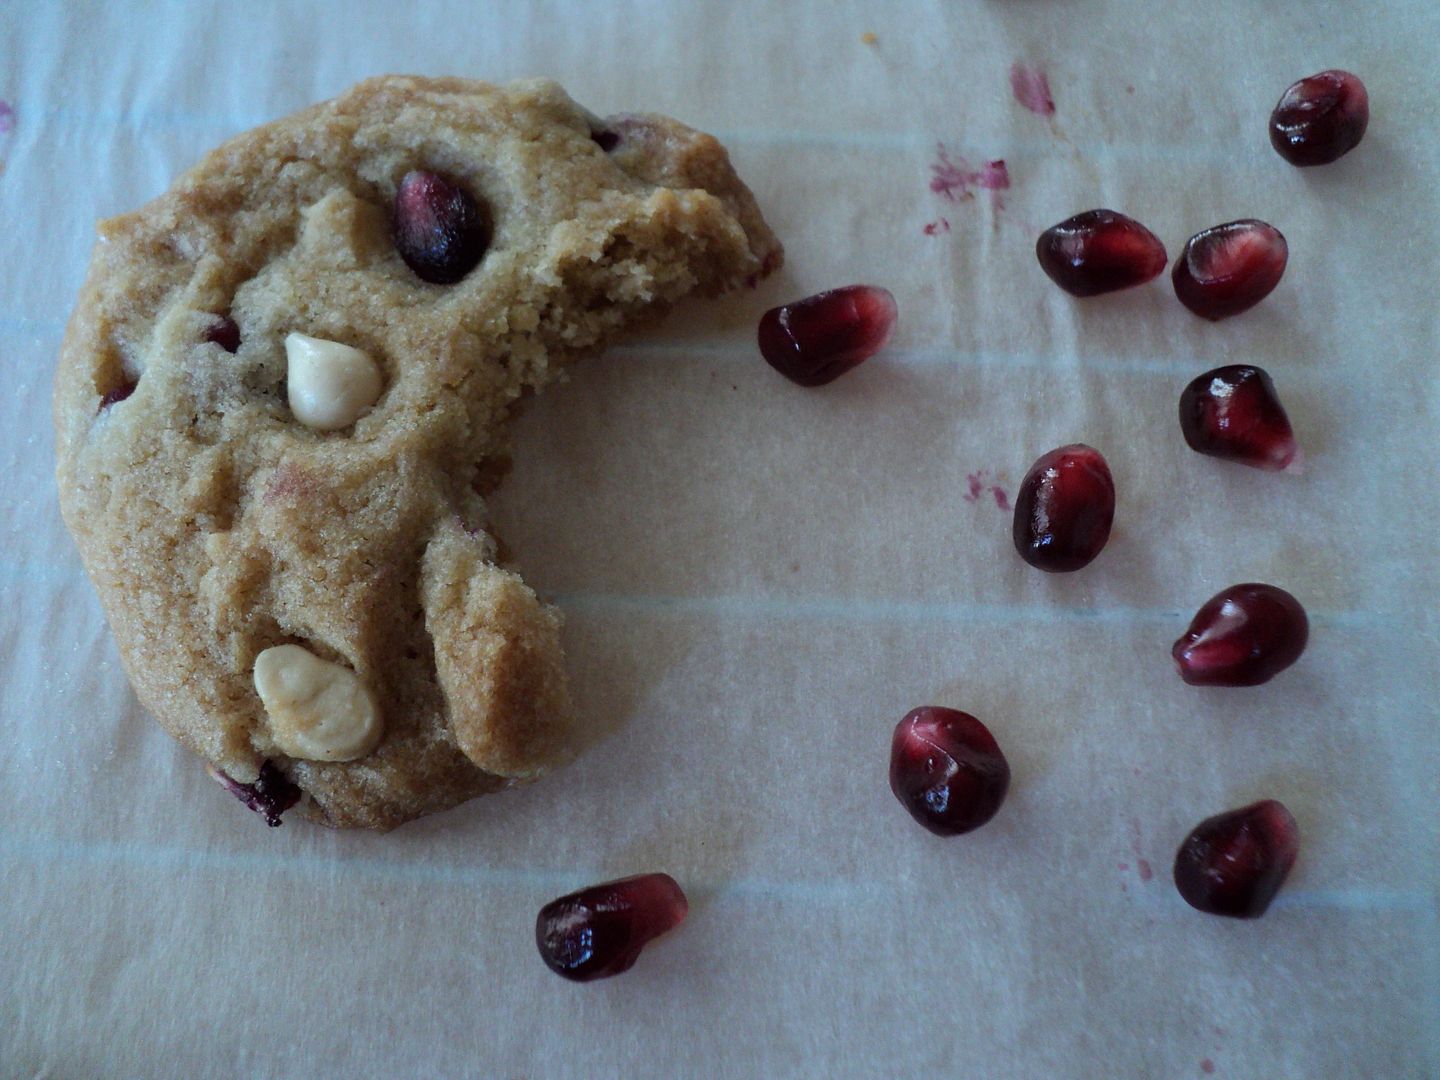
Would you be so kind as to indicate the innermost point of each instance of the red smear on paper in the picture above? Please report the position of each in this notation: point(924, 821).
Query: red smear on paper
point(1031, 89)
point(1142, 864)
point(978, 484)
point(994, 176)
point(953, 179)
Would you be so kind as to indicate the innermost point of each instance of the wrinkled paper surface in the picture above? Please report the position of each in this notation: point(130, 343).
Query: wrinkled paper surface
point(759, 580)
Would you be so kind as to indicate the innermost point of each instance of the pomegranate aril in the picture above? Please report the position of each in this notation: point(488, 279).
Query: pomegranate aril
point(1243, 636)
point(224, 332)
point(1064, 509)
point(117, 393)
point(1230, 268)
point(1234, 413)
point(816, 340)
point(600, 931)
point(270, 795)
point(1100, 251)
point(606, 140)
point(440, 232)
point(1320, 118)
point(1234, 863)
point(947, 770)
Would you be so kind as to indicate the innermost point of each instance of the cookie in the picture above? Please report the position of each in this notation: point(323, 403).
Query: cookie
point(283, 398)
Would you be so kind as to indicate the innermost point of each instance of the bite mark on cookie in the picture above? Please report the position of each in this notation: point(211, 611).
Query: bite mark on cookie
point(217, 525)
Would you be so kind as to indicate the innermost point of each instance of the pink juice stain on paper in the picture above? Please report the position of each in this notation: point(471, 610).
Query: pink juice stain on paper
point(954, 178)
point(1207, 1066)
point(1142, 864)
point(935, 228)
point(1031, 88)
point(978, 484)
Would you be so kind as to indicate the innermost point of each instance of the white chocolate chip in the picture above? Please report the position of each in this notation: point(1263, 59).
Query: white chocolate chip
point(318, 711)
point(330, 385)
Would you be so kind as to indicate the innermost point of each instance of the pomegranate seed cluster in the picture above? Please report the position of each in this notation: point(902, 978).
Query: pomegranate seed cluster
point(1234, 863)
point(1222, 271)
point(946, 767)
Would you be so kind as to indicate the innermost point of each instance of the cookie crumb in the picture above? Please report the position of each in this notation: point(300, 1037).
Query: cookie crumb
point(869, 37)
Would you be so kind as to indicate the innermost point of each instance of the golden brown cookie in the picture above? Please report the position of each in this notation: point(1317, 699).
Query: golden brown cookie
point(283, 397)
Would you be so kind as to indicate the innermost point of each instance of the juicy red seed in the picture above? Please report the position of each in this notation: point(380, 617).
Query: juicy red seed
point(117, 393)
point(1320, 118)
point(606, 140)
point(224, 332)
point(1064, 509)
point(600, 931)
point(270, 795)
point(947, 770)
point(1243, 636)
point(1234, 863)
point(1230, 268)
point(1100, 251)
point(1234, 413)
point(816, 340)
point(439, 230)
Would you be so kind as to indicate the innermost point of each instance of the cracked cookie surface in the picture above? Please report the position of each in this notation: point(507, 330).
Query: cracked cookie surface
point(219, 518)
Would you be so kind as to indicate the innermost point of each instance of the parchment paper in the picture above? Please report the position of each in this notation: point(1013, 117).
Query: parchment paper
point(759, 580)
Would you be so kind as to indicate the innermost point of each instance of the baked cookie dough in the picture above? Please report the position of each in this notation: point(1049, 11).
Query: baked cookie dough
point(283, 397)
